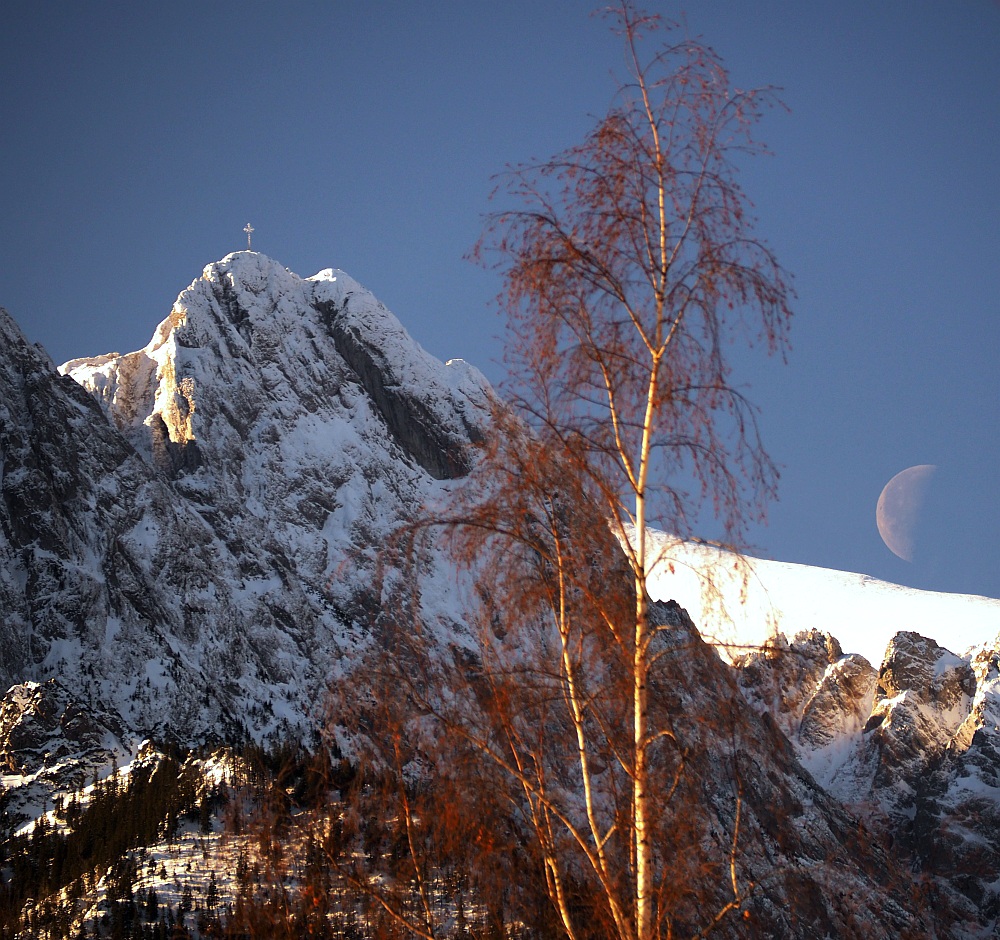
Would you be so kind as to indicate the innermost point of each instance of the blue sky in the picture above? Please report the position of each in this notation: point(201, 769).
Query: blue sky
point(138, 140)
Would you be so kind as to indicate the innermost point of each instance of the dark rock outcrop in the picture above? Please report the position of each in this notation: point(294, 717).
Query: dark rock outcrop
point(51, 744)
point(915, 748)
point(818, 869)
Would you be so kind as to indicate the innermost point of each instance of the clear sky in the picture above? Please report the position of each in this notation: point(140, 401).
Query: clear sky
point(138, 139)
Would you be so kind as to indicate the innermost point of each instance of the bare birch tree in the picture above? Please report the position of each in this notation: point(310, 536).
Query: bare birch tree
point(630, 271)
point(630, 268)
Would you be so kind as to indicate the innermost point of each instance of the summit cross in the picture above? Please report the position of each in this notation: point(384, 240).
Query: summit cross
point(249, 229)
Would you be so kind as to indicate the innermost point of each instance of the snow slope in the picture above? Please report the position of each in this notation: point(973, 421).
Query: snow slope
point(742, 601)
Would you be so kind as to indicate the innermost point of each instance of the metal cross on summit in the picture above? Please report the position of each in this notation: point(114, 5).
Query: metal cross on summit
point(249, 230)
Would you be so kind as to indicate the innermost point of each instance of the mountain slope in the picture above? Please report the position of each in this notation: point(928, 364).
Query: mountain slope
point(193, 546)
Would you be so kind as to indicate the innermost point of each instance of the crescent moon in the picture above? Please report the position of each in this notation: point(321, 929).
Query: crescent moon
point(898, 509)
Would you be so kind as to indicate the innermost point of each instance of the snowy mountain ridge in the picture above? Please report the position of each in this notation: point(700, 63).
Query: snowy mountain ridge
point(749, 599)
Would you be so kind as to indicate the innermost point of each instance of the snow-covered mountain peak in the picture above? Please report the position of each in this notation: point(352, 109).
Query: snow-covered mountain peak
point(195, 542)
point(250, 340)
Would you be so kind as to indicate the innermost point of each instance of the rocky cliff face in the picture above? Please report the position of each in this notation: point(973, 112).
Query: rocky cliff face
point(194, 542)
point(912, 746)
point(87, 591)
point(819, 871)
